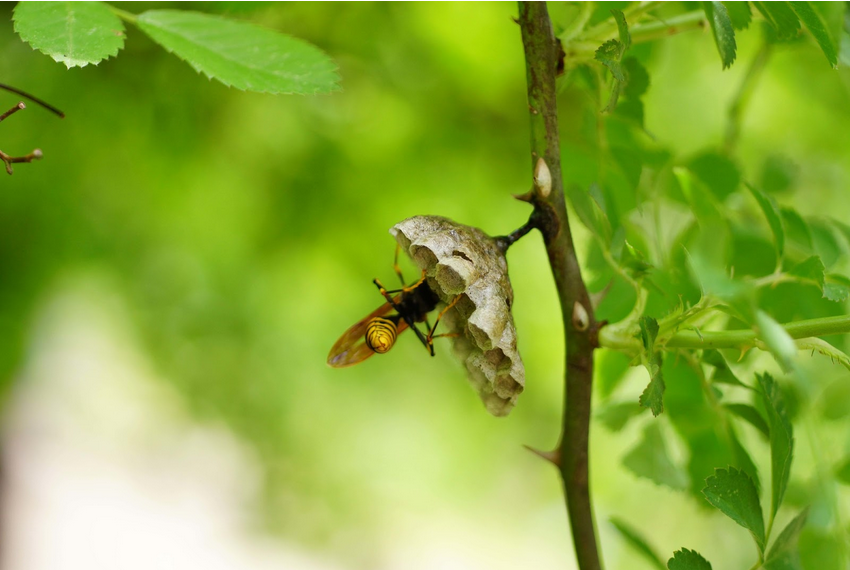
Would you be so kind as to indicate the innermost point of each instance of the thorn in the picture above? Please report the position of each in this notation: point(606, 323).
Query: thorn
point(526, 197)
point(744, 352)
point(553, 457)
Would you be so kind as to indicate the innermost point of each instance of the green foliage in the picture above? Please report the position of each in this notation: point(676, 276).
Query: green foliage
point(685, 559)
point(784, 554)
point(73, 33)
point(79, 33)
point(740, 14)
point(270, 63)
point(781, 440)
point(650, 459)
point(723, 30)
point(735, 495)
point(653, 394)
point(638, 542)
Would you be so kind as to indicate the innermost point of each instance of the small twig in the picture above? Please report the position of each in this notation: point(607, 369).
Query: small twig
point(504, 242)
point(19, 107)
point(9, 160)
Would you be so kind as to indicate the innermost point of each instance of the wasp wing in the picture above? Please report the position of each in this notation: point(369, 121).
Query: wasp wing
point(351, 347)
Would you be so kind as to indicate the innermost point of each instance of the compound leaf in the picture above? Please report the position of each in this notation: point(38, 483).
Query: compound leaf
point(735, 495)
point(688, 560)
point(724, 32)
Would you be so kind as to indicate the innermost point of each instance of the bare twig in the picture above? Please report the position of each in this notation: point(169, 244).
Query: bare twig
point(551, 216)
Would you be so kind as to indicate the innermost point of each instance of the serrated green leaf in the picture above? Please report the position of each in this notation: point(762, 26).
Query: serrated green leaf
point(781, 17)
point(637, 541)
point(811, 270)
point(784, 554)
point(816, 26)
point(776, 338)
point(609, 54)
point(740, 14)
point(781, 439)
point(651, 460)
point(723, 31)
point(735, 495)
point(685, 559)
point(751, 416)
point(73, 33)
point(836, 287)
point(653, 395)
point(774, 219)
point(622, 28)
point(240, 54)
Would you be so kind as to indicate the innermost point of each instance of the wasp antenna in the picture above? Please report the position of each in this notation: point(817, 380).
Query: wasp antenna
point(34, 99)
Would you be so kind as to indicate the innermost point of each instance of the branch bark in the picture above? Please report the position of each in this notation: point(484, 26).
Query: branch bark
point(550, 213)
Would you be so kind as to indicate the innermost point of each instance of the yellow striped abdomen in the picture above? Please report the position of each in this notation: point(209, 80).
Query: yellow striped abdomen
point(381, 334)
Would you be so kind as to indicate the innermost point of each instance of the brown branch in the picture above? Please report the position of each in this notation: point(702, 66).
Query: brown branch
point(580, 327)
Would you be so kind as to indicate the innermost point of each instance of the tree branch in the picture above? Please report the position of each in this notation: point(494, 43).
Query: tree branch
point(580, 326)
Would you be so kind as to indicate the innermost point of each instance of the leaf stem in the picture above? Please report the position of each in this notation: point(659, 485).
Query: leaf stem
point(541, 52)
point(126, 16)
point(739, 339)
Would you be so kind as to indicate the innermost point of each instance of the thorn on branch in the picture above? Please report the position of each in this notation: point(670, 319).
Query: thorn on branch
point(553, 457)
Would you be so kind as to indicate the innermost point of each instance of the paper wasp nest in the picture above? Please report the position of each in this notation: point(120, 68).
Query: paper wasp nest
point(462, 260)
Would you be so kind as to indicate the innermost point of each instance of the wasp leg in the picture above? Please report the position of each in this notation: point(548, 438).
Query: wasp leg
point(409, 288)
point(388, 296)
point(431, 335)
point(396, 266)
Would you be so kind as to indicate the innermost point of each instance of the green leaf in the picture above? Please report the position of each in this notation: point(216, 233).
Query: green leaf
point(639, 543)
point(740, 14)
point(609, 54)
point(651, 460)
point(796, 228)
point(778, 174)
point(724, 32)
point(781, 17)
point(722, 373)
point(777, 339)
point(634, 261)
point(637, 78)
point(716, 171)
point(688, 560)
point(781, 439)
point(784, 554)
point(591, 212)
point(836, 287)
point(615, 416)
point(73, 33)
point(816, 26)
point(751, 416)
point(622, 28)
point(240, 54)
point(735, 495)
point(653, 395)
point(842, 472)
point(811, 270)
point(774, 219)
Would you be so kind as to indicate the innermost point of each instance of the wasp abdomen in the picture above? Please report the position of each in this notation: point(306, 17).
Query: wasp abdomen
point(381, 334)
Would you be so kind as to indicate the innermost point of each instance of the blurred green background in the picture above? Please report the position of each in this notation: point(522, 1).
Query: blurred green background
point(224, 240)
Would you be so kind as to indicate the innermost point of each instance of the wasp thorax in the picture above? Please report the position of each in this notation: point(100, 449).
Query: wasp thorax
point(381, 334)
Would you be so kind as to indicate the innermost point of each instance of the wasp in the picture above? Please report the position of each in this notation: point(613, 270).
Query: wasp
point(378, 331)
